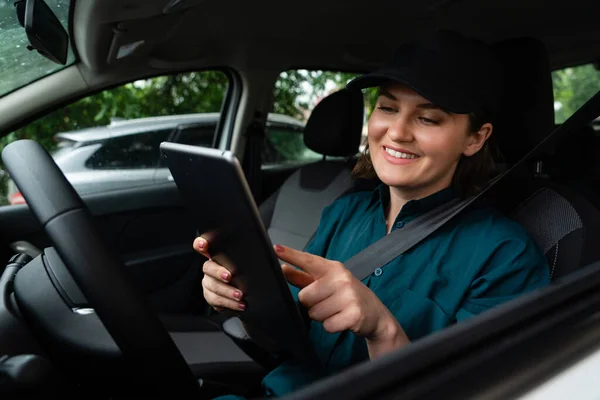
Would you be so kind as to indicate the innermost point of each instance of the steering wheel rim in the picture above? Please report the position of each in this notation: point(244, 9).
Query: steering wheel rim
point(96, 269)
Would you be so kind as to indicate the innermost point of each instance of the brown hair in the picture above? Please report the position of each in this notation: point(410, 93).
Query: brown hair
point(472, 173)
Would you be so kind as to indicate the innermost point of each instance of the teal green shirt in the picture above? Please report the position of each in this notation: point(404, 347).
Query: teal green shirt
point(477, 260)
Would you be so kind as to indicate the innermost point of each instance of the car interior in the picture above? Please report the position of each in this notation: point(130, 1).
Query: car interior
point(121, 311)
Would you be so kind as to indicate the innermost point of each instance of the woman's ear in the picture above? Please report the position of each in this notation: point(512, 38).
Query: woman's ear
point(476, 140)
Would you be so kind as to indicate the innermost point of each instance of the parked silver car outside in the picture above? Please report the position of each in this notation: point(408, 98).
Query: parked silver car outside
point(125, 153)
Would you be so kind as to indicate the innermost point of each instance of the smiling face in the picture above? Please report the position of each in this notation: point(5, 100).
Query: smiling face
point(415, 146)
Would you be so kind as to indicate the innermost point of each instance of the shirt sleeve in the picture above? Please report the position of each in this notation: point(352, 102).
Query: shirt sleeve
point(514, 267)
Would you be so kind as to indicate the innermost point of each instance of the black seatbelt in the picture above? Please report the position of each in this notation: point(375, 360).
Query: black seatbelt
point(399, 241)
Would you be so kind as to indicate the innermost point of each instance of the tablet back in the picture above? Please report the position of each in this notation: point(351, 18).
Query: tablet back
point(213, 187)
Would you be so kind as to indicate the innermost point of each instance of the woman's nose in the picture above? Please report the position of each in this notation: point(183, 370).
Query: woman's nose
point(400, 130)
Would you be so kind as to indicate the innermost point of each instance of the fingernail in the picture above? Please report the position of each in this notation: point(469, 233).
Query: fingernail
point(225, 276)
point(242, 306)
point(279, 248)
point(237, 294)
point(201, 244)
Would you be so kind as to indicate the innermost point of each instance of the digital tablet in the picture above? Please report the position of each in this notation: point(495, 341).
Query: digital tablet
point(214, 188)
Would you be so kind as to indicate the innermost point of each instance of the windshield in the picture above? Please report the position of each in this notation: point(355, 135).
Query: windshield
point(19, 66)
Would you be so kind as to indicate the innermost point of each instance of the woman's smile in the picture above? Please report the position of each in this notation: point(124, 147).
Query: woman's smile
point(399, 156)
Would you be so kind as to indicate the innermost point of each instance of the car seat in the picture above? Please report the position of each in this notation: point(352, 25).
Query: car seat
point(292, 214)
point(563, 223)
point(576, 167)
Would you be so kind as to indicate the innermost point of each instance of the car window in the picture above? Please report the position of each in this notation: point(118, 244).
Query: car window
point(197, 135)
point(18, 65)
point(121, 129)
point(296, 93)
point(572, 87)
point(136, 151)
point(577, 164)
point(284, 145)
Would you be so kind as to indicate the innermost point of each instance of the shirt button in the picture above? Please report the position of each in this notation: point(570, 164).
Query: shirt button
point(400, 224)
point(378, 272)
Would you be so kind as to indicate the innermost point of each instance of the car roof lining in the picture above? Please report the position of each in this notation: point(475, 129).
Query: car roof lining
point(353, 37)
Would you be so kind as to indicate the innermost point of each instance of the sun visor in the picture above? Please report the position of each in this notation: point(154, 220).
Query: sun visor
point(135, 39)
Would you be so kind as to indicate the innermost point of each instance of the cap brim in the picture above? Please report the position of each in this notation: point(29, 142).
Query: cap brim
point(373, 79)
point(381, 77)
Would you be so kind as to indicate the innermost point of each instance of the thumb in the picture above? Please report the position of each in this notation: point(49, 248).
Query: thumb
point(201, 246)
point(296, 277)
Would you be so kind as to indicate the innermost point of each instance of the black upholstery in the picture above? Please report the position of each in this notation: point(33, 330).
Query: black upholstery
point(577, 168)
point(528, 116)
point(292, 214)
point(577, 154)
point(562, 222)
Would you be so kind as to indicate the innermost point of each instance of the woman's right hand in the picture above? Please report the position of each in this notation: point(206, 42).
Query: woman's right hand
point(219, 294)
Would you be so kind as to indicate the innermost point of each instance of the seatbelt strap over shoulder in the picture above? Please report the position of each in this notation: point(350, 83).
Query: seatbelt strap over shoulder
point(399, 241)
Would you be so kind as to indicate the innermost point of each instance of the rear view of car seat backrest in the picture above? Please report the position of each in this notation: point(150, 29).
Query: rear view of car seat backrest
point(576, 168)
point(562, 222)
point(334, 128)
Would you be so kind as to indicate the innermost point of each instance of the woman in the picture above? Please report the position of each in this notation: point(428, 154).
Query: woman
point(428, 141)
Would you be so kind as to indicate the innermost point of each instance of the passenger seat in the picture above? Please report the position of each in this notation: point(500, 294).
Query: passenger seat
point(562, 222)
point(575, 167)
point(292, 214)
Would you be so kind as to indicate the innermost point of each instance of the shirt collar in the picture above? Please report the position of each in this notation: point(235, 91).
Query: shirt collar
point(412, 208)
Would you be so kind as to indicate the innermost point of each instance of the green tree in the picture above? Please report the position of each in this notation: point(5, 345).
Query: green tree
point(195, 92)
point(296, 89)
point(572, 88)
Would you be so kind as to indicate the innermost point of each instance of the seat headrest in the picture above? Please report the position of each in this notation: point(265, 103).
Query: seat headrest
point(527, 115)
point(335, 125)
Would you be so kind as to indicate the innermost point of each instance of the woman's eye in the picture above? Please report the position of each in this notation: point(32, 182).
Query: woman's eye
point(385, 109)
point(428, 121)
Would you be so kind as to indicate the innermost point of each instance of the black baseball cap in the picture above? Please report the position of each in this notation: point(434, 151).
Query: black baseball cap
point(456, 73)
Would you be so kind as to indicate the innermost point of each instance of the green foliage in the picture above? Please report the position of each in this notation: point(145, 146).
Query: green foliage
point(194, 92)
point(295, 93)
point(296, 90)
point(572, 88)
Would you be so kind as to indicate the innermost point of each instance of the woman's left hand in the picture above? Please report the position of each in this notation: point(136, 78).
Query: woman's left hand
point(335, 297)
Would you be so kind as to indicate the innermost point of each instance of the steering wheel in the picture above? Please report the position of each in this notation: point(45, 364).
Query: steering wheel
point(98, 272)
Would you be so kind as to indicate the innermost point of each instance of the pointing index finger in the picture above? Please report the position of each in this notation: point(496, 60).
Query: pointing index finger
point(314, 265)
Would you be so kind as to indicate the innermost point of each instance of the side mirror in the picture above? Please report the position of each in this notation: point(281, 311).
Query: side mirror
point(44, 31)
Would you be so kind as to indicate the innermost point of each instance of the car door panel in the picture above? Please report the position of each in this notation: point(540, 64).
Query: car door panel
point(94, 181)
point(151, 231)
